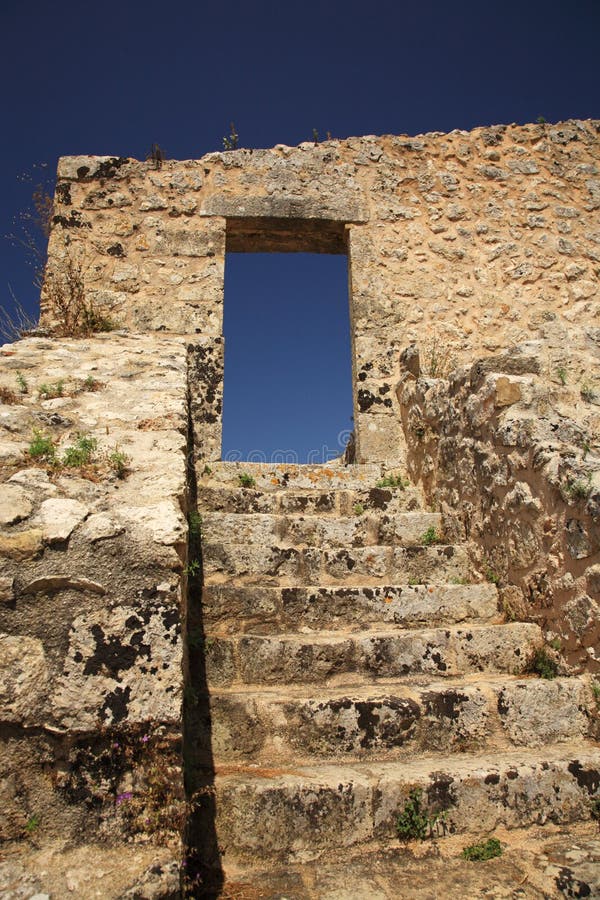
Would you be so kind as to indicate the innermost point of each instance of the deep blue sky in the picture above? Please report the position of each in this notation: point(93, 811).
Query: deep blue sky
point(113, 78)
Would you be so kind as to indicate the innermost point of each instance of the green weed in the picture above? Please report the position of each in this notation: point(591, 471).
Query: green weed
point(32, 824)
point(492, 576)
point(195, 522)
point(587, 392)
point(596, 690)
point(430, 537)
point(578, 488)
point(561, 374)
point(231, 142)
point(206, 470)
point(542, 664)
point(393, 481)
point(119, 462)
point(192, 568)
point(246, 480)
point(484, 850)
point(415, 822)
point(42, 447)
point(358, 509)
point(21, 383)
point(80, 454)
point(51, 391)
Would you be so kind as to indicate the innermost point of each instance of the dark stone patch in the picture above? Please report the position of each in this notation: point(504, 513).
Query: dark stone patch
point(115, 250)
point(570, 886)
point(111, 655)
point(74, 220)
point(63, 193)
point(439, 792)
point(588, 779)
point(389, 730)
point(444, 704)
point(492, 778)
point(117, 703)
point(503, 705)
point(379, 498)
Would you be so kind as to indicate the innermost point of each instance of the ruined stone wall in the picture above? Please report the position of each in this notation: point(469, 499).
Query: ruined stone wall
point(508, 448)
point(467, 244)
point(91, 605)
point(471, 239)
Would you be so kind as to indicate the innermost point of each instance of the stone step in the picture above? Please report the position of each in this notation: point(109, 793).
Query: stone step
point(255, 563)
point(300, 813)
point(274, 476)
point(290, 501)
point(397, 721)
point(236, 609)
point(328, 657)
point(405, 528)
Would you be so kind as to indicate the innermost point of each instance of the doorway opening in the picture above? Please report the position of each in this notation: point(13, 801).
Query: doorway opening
point(287, 382)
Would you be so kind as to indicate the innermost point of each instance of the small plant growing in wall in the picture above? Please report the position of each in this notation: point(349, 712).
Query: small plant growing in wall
point(119, 462)
point(430, 537)
point(65, 295)
point(42, 448)
point(358, 509)
point(415, 823)
point(80, 454)
point(22, 383)
point(393, 481)
point(483, 850)
point(231, 142)
point(246, 480)
point(578, 488)
point(561, 374)
point(543, 664)
point(51, 391)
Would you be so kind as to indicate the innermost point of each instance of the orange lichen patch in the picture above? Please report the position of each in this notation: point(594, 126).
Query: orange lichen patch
point(275, 481)
point(430, 590)
point(388, 599)
point(159, 423)
point(256, 771)
point(239, 890)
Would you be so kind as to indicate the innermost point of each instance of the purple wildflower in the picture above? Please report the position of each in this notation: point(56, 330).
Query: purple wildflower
point(126, 795)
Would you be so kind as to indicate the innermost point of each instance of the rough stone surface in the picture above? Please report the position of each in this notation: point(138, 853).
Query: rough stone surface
point(336, 636)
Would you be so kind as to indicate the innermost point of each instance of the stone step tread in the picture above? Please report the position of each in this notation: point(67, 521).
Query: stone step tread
point(412, 686)
point(294, 501)
point(351, 566)
point(408, 528)
point(300, 812)
point(586, 752)
point(397, 719)
point(269, 476)
point(235, 608)
point(323, 656)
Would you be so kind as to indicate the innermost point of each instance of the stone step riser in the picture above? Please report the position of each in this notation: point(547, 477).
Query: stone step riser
point(300, 659)
point(234, 609)
point(269, 477)
point(323, 811)
point(308, 503)
point(397, 723)
point(368, 565)
point(408, 529)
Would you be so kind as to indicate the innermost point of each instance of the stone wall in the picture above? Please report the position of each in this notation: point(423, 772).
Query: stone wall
point(471, 239)
point(93, 550)
point(468, 244)
point(508, 447)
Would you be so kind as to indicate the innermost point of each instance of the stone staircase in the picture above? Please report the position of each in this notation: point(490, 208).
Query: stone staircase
point(349, 660)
